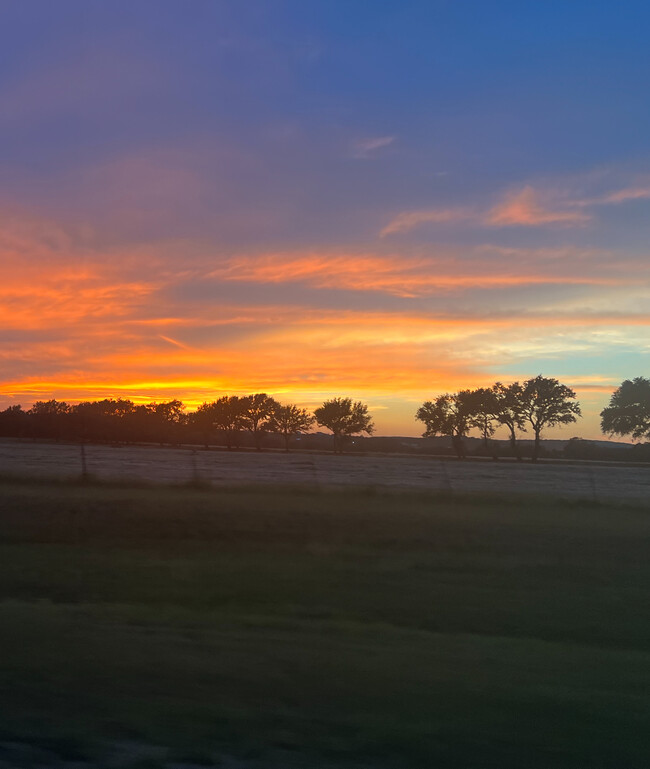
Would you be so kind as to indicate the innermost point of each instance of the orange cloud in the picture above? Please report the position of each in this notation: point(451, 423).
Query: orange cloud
point(155, 323)
point(400, 276)
point(355, 348)
point(525, 208)
point(67, 297)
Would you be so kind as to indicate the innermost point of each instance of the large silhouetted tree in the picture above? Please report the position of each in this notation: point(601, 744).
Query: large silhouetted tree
point(508, 407)
point(290, 420)
point(344, 417)
point(448, 415)
point(256, 411)
point(628, 412)
point(545, 402)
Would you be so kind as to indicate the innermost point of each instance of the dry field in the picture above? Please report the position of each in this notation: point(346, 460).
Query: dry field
point(167, 465)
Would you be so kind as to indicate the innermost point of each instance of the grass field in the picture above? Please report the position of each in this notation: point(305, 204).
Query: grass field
point(157, 627)
point(427, 474)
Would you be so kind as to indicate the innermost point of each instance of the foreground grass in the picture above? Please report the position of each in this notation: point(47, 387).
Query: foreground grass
point(295, 628)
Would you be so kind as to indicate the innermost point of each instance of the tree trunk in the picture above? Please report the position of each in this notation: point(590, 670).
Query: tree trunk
point(457, 443)
point(536, 445)
point(514, 446)
point(286, 442)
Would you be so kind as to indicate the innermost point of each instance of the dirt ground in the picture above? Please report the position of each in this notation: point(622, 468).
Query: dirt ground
point(169, 465)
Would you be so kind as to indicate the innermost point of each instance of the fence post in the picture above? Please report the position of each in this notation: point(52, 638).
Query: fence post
point(84, 465)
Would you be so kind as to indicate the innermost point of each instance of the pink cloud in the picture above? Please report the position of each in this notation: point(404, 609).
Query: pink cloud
point(410, 219)
point(524, 208)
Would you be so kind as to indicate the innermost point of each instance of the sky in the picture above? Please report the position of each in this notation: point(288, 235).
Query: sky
point(380, 199)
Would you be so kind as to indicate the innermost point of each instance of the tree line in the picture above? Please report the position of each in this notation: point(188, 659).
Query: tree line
point(122, 421)
point(533, 405)
point(536, 404)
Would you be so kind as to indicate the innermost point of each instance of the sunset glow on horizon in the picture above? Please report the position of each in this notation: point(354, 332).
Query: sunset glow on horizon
point(335, 200)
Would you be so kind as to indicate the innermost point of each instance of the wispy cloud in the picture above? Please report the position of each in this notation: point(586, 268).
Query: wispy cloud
point(409, 219)
point(621, 196)
point(368, 147)
point(404, 276)
point(527, 206)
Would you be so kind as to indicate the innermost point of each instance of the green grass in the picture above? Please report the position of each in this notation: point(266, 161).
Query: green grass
point(311, 629)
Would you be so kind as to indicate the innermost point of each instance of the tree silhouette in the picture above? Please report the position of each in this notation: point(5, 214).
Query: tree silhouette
point(228, 417)
point(546, 403)
point(508, 403)
point(628, 412)
point(289, 421)
point(256, 411)
point(448, 415)
point(48, 418)
point(109, 420)
point(344, 418)
point(13, 422)
point(204, 418)
point(167, 416)
point(482, 406)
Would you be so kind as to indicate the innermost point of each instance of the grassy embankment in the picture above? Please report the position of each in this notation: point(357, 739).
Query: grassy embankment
point(321, 629)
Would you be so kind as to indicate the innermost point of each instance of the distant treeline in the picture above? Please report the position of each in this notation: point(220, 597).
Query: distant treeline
point(531, 407)
point(534, 405)
point(231, 420)
point(258, 420)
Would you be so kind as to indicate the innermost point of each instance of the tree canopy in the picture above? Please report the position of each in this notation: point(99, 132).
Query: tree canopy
point(545, 402)
point(508, 405)
point(289, 421)
point(540, 402)
point(256, 412)
point(344, 417)
point(448, 415)
point(228, 417)
point(483, 407)
point(628, 412)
